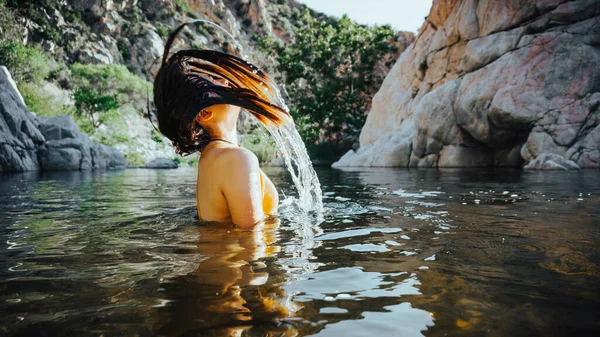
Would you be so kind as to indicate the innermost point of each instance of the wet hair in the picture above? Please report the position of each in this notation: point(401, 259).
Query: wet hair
point(181, 93)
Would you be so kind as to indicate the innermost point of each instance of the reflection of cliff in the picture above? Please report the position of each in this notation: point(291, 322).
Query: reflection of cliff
point(232, 289)
point(492, 83)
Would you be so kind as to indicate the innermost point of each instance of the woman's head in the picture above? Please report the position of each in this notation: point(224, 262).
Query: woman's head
point(191, 81)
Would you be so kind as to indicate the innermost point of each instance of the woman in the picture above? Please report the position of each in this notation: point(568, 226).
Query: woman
point(198, 96)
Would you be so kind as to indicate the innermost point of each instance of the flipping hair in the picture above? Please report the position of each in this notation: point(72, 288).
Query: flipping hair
point(181, 93)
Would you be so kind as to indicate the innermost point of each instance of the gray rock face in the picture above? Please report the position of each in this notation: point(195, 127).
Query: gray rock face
point(491, 84)
point(107, 158)
point(53, 143)
point(19, 135)
point(162, 163)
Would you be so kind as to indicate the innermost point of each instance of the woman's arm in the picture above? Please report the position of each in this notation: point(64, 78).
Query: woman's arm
point(270, 195)
point(241, 186)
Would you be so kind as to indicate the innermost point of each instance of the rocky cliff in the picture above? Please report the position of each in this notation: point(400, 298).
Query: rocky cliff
point(28, 143)
point(492, 83)
point(132, 32)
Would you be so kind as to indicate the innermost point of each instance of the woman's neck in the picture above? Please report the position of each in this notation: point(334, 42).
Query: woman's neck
point(221, 132)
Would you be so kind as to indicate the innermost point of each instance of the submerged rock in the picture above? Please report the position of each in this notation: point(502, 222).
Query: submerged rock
point(29, 143)
point(162, 163)
point(486, 84)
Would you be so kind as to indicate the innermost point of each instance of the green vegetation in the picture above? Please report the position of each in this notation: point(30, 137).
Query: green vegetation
point(183, 7)
point(96, 108)
point(258, 140)
point(43, 103)
point(8, 29)
point(162, 31)
point(101, 90)
point(112, 80)
point(331, 74)
point(26, 64)
point(29, 67)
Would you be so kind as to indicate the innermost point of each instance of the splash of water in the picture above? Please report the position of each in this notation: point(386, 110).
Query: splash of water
point(298, 163)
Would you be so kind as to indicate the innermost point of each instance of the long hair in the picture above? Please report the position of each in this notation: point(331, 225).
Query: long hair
point(181, 93)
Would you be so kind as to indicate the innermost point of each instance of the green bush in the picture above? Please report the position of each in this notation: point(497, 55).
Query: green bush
point(260, 142)
point(43, 103)
point(97, 108)
point(162, 31)
point(112, 80)
point(26, 64)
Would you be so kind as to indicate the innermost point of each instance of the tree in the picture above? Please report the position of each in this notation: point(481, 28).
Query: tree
point(96, 108)
point(331, 74)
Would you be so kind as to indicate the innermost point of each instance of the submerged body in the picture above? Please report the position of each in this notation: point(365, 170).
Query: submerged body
point(231, 186)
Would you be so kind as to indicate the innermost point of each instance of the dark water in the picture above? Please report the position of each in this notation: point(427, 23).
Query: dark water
point(398, 253)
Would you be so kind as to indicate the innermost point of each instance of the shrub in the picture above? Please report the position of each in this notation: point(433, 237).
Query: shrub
point(26, 64)
point(112, 80)
point(162, 31)
point(43, 103)
point(97, 108)
point(259, 141)
point(330, 73)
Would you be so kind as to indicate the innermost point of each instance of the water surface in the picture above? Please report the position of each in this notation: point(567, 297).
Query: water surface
point(398, 253)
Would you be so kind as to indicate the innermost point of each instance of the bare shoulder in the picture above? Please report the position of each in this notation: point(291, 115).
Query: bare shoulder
point(239, 159)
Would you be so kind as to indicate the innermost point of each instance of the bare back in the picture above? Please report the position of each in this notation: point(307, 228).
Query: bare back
point(232, 188)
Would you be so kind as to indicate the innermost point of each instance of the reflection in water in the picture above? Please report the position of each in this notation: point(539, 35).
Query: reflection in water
point(396, 253)
point(232, 289)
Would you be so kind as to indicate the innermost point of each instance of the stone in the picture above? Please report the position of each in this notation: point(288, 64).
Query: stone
point(29, 143)
point(19, 135)
point(492, 83)
point(107, 158)
point(162, 163)
point(551, 161)
point(58, 127)
point(60, 158)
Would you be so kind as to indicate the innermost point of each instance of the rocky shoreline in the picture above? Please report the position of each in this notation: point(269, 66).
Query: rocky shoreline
point(30, 143)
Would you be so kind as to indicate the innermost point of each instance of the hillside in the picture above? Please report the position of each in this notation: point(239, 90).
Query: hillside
point(95, 59)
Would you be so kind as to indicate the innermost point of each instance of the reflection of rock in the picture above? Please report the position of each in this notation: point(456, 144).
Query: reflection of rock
point(484, 82)
point(162, 163)
point(28, 143)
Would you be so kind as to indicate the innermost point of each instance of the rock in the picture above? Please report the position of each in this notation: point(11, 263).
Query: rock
point(52, 143)
point(145, 48)
point(58, 127)
point(162, 163)
point(66, 149)
point(491, 84)
point(107, 158)
point(551, 161)
point(60, 158)
point(19, 135)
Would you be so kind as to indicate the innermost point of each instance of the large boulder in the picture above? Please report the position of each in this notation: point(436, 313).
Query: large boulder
point(68, 149)
point(19, 135)
point(492, 83)
point(107, 158)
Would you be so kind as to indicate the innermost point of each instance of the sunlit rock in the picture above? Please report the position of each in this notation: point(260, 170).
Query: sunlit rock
point(488, 84)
